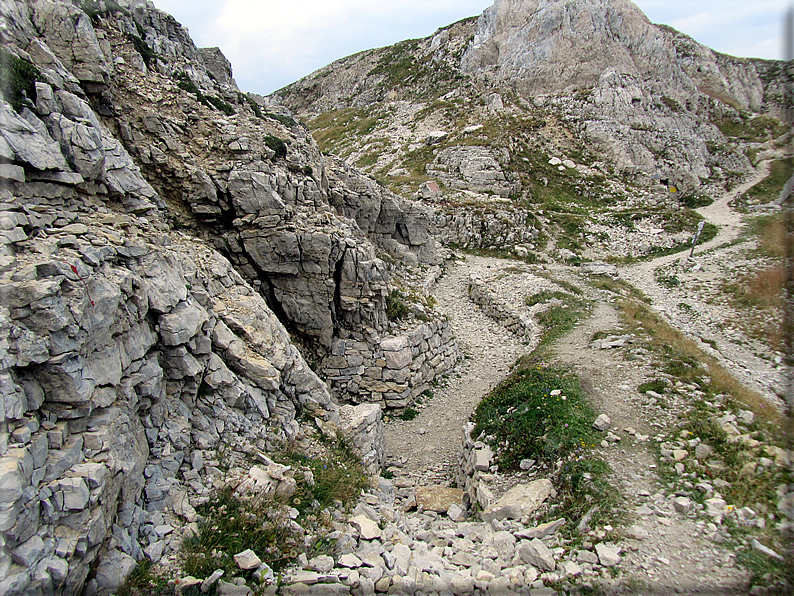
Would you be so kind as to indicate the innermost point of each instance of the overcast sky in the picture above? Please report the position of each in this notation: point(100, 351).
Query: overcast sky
point(272, 43)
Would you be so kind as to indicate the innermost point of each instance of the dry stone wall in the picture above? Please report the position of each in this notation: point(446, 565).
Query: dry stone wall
point(393, 370)
point(519, 323)
point(474, 465)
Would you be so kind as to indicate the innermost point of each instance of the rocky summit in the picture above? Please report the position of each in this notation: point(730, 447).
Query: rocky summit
point(223, 316)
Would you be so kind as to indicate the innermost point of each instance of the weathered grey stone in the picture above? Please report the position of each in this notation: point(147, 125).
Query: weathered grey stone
point(29, 552)
point(228, 589)
point(602, 422)
point(542, 530)
point(247, 560)
point(521, 500)
point(368, 529)
point(608, 554)
point(184, 322)
point(30, 144)
point(114, 569)
point(536, 553)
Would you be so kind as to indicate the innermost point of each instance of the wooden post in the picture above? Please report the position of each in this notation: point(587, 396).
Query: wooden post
point(701, 225)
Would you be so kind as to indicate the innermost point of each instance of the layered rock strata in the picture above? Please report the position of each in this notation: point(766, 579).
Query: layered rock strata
point(161, 235)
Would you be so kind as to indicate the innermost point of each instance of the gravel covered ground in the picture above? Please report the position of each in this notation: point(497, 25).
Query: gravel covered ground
point(668, 548)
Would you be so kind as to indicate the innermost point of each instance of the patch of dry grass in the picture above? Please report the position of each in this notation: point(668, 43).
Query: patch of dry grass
point(673, 341)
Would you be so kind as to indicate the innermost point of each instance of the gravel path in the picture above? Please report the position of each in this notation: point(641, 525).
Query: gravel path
point(703, 319)
point(427, 446)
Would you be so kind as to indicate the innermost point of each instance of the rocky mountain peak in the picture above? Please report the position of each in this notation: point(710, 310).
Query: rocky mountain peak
point(542, 47)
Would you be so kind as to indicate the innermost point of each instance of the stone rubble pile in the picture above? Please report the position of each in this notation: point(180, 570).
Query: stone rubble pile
point(386, 547)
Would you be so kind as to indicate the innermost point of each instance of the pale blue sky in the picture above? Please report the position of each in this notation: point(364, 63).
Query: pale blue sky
point(273, 43)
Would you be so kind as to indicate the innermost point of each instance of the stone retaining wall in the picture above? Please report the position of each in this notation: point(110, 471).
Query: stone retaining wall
point(474, 463)
point(517, 323)
point(363, 426)
point(394, 370)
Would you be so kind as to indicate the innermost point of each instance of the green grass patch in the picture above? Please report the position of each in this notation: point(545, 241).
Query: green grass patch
point(233, 524)
point(396, 307)
point(521, 419)
point(559, 319)
point(17, 80)
point(545, 296)
point(656, 385)
point(695, 201)
point(583, 486)
point(185, 83)
point(769, 189)
point(143, 582)
point(277, 145)
point(408, 414)
point(757, 130)
point(236, 522)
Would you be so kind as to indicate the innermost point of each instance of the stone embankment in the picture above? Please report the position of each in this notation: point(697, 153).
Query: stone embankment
point(394, 370)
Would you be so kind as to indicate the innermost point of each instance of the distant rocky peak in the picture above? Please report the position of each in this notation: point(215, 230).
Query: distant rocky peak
point(562, 45)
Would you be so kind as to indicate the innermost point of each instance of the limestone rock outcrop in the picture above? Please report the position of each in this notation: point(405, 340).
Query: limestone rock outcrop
point(163, 239)
point(648, 100)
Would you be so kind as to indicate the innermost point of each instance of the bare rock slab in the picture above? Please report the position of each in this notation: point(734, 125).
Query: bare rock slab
point(536, 553)
point(367, 528)
point(438, 498)
point(520, 500)
point(247, 560)
point(608, 555)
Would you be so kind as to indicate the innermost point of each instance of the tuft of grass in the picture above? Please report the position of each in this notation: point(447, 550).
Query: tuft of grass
point(277, 145)
point(408, 414)
point(685, 358)
point(656, 385)
point(144, 582)
point(544, 296)
point(337, 477)
point(520, 418)
point(233, 524)
point(769, 188)
point(143, 49)
point(396, 307)
point(582, 484)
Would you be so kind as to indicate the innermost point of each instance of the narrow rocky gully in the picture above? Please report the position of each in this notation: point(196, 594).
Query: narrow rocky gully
point(665, 548)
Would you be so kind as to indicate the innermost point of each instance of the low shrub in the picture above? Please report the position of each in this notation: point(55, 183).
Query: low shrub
point(396, 308)
point(277, 145)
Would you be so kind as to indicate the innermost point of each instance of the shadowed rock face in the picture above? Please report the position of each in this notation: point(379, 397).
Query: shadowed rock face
point(133, 349)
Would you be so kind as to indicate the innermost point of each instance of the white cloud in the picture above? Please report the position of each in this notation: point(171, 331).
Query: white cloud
point(271, 44)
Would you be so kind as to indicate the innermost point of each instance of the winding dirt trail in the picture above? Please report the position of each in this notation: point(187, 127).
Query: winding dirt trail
point(666, 549)
point(703, 319)
point(427, 446)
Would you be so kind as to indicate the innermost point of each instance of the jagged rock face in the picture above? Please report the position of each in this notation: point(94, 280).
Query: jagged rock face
point(132, 354)
point(470, 168)
point(644, 97)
